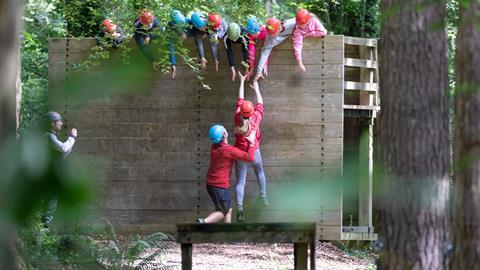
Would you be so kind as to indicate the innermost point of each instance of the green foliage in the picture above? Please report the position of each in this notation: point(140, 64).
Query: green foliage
point(359, 18)
point(82, 17)
point(91, 245)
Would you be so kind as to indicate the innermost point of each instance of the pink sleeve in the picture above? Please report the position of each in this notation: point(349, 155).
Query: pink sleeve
point(258, 114)
point(297, 42)
point(251, 54)
point(316, 29)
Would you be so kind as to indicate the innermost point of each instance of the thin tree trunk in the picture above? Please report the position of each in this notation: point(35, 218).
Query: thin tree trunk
point(466, 195)
point(10, 11)
point(413, 136)
point(18, 94)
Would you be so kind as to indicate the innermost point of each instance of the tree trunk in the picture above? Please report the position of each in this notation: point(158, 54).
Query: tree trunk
point(10, 11)
point(466, 195)
point(413, 135)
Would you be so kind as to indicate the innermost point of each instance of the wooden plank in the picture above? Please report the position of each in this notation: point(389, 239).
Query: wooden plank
point(319, 217)
point(361, 63)
point(370, 42)
point(360, 107)
point(183, 100)
point(246, 232)
point(359, 236)
point(329, 233)
point(192, 195)
point(207, 116)
point(372, 87)
point(175, 173)
point(293, 132)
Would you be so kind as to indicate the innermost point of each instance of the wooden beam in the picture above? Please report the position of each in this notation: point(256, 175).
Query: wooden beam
point(361, 63)
point(360, 107)
point(246, 232)
point(359, 236)
point(370, 42)
point(349, 85)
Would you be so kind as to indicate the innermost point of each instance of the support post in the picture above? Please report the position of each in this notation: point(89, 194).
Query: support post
point(187, 256)
point(313, 248)
point(300, 253)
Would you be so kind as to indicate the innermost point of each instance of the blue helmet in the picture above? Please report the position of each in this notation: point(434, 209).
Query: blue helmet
point(216, 133)
point(199, 20)
point(252, 26)
point(177, 17)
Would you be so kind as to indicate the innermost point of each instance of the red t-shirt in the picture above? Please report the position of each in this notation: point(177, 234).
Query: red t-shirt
point(222, 156)
point(255, 120)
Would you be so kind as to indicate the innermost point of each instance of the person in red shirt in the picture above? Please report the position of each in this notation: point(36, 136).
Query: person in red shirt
point(247, 120)
point(222, 156)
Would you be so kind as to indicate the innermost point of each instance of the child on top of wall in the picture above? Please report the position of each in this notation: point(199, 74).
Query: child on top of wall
point(111, 33)
point(255, 32)
point(178, 26)
point(308, 25)
point(277, 32)
point(222, 156)
point(215, 27)
point(147, 28)
point(236, 34)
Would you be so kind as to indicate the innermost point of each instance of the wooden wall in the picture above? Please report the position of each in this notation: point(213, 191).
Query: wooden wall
point(154, 138)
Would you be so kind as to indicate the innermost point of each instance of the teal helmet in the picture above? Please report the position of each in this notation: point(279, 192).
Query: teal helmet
point(177, 17)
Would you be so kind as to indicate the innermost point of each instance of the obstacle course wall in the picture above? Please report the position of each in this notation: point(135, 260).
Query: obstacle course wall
point(156, 146)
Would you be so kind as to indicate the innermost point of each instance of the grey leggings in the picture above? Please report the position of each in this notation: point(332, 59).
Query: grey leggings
point(241, 169)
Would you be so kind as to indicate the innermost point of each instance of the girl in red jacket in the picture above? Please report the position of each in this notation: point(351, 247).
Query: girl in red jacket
point(222, 156)
point(247, 120)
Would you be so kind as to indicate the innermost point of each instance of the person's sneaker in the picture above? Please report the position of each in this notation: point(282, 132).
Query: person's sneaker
point(200, 220)
point(240, 217)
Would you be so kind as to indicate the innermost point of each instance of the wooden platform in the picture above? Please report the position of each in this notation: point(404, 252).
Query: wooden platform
point(301, 235)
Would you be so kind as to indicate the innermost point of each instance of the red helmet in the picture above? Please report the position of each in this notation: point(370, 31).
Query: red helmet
point(273, 25)
point(246, 109)
point(303, 16)
point(214, 20)
point(108, 25)
point(146, 17)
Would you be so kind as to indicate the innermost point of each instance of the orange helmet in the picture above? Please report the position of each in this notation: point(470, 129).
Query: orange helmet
point(214, 20)
point(303, 16)
point(247, 109)
point(273, 25)
point(108, 25)
point(146, 17)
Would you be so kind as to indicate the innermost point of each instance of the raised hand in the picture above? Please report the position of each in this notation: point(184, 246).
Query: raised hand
point(242, 77)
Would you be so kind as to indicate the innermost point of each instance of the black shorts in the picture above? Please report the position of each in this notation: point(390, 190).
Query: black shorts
point(220, 197)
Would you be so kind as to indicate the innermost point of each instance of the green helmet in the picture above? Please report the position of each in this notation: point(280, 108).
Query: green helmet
point(234, 31)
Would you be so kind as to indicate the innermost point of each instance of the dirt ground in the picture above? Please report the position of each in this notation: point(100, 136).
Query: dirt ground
point(247, 256)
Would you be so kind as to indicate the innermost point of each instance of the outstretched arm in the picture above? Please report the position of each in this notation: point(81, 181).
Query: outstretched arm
point(256, 88)
point(241, 92)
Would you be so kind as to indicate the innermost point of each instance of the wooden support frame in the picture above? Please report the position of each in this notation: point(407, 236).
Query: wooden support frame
point(302, 235)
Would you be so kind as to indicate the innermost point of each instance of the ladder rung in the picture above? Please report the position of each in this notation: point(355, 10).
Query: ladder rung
point(369, 42)
point(372, 87)
point(361, 63)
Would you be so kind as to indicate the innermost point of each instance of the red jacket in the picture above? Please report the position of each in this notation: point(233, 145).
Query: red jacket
point(222, 156)
point(255, 120)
